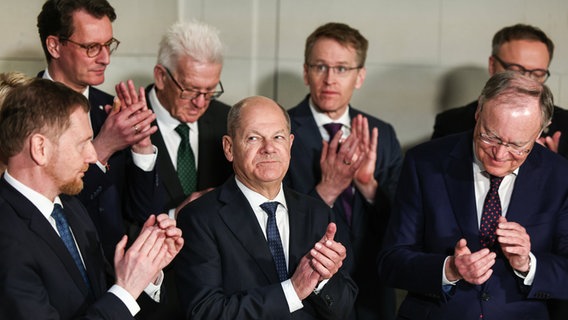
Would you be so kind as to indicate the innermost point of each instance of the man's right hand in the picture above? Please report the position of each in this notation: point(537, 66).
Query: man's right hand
point(474, 267)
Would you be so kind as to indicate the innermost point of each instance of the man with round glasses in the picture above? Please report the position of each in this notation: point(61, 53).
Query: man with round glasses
point(121, 188)
point(524, 49)
point(480, 221)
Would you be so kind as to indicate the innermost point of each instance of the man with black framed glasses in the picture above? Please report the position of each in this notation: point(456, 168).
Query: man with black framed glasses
point(524, 49)
point(191, 123)
point(121, 188)
point(347, 158)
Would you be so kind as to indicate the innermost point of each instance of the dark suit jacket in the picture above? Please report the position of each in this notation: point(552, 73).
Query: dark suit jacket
point(38, 278)
point(226, 270)
point(368, 221)
point(124, 192)
point(435, 207)
point(463, 118)
point(213, 168)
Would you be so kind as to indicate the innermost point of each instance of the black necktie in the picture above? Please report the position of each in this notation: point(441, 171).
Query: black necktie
point(65, 234)
point(186, 171)
point(274, 241)
point(346, 196)
point(491, 213)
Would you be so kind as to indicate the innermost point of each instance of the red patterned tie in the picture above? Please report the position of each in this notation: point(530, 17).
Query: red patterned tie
point(491, 213)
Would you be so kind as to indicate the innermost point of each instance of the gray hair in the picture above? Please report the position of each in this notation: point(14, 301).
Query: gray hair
point(504, 85)
point(194, 39)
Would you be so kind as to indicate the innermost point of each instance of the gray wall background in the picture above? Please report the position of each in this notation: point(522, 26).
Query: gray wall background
point(424, 55)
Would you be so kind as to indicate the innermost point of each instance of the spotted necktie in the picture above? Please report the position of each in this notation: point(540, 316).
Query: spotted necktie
point(491, 213)
point(274, 240)
point(186, 171)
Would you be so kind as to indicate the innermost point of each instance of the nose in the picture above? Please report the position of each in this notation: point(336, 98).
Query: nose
point(500, 151)
point(90, 153)
point(200, 101)
point(329, 76)
point(104, 56)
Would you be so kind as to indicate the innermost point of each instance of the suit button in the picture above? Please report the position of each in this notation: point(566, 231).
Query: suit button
point(328, 300)
point(485, 296)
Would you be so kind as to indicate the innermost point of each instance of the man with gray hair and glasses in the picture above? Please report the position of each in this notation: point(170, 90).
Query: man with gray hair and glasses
point(191, 123)
point(480, 219)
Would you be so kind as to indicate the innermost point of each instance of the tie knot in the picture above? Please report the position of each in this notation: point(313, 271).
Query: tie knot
point(332, 128)
point(270, 207)
point(183, 130)
point(57, 212)
point(495, 181)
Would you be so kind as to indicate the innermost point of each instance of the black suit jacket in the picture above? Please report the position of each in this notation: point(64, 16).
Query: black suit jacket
point(226, 270)
point(368, 221)
point(122, 196)
point(38, 277)
point(463, 119)
point(213, 168)
point(435, 207)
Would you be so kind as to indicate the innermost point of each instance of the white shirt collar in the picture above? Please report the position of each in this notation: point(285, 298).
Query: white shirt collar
point(46, 75)
point(255, 199)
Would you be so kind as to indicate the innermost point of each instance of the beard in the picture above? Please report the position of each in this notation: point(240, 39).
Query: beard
point(70, 187)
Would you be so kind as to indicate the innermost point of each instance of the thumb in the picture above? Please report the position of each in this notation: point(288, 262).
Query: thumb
point(329, 232)
point(119, 250)
point(461, 248)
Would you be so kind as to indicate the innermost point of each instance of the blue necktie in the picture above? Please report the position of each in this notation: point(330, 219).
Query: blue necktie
point(274, 241)
point(346, 196)
point(65, 234)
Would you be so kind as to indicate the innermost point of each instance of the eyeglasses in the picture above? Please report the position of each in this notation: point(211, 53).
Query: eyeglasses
point(511, 147)
point(190, 94)
point(93, 49)
point(321, 69)
point(539, 75)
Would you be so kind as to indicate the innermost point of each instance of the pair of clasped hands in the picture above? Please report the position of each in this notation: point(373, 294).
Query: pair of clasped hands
point(128, 123)
point(476, 267)
point(349, 160)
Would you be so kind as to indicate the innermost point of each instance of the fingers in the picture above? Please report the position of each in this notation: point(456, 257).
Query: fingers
point(327, 258)
point(119, 249)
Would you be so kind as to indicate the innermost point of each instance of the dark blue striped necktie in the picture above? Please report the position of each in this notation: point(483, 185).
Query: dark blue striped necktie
point(274, 241)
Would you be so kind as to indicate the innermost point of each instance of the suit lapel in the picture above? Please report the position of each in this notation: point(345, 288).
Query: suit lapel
point(305, 126)
point(241, 221)
point(39, 225)
point(460, 187)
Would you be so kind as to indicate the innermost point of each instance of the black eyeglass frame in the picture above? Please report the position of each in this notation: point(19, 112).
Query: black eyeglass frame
point(208, 95)
point(520, 69)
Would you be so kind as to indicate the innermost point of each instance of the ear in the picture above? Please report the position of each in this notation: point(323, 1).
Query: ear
point(291, 140)
point(306, 75)
point(228, 147)
point(159, 76)
point(40, 149)
point(491, 67)
point(53, 46)
point(361, 74)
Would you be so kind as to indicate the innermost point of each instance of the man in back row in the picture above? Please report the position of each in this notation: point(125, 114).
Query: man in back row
point(77, 39)
point(521, 48)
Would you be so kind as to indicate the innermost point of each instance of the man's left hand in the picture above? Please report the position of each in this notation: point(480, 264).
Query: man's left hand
point(515, 244)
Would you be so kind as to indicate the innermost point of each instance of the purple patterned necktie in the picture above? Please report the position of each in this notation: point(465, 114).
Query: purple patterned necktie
point(346, 196)
point(491, 213)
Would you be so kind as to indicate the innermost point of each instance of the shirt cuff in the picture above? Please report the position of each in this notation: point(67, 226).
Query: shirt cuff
point(529, 277)
point(445, 281)
point(294, 302)
point(146, 162)
point(172, 213)
point(320, 286)
point(153, 290)
point(126, 298)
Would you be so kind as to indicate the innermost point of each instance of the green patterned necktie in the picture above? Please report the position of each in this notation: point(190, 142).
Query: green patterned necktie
point(186, 161)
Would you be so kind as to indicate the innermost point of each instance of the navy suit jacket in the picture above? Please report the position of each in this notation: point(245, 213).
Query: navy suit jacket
point(463, 119)
point(435, 207)
point(368, 221)
point(38, 277)
point(226, 270)
point(213, 168)
point(124, 193)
